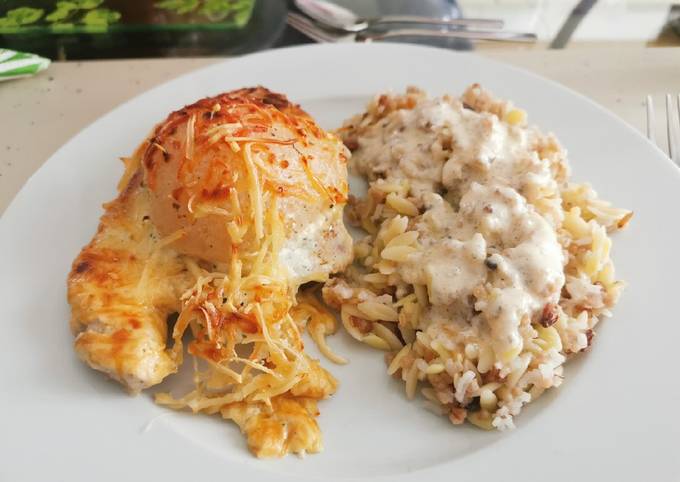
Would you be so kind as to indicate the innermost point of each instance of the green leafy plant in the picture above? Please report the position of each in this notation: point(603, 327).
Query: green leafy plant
point(92, 16)
point(101, 17)
point(63, 27)
point(214, 10)
point(18, 17)
point(26, 15)
point(178, 6)
point(87, 4)
point(243, 9)
point(63, 10)
point(69, 14)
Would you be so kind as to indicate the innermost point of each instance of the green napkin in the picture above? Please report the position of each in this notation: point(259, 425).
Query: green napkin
point(14, 65)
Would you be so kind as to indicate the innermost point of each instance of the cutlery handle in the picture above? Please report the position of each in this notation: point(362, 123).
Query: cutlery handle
point(461, 22)
point(461, 34)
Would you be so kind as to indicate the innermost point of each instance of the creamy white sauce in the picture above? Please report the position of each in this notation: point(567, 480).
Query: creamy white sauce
point(299, 254)
point(315, 244)
point(488, 258)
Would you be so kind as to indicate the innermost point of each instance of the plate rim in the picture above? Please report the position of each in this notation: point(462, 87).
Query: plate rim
point(663, 160)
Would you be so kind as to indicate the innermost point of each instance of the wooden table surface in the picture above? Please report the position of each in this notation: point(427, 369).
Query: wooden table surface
point(41, 113)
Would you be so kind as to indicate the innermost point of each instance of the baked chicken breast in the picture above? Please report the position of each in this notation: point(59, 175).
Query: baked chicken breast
point(223, 212)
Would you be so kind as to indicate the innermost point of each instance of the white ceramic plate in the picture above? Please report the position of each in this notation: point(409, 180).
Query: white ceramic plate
point(615, 417)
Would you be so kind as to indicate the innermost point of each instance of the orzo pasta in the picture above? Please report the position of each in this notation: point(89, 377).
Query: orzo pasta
point(483, 268)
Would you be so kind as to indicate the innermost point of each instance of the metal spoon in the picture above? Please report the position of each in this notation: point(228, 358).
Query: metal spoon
point(336, 17)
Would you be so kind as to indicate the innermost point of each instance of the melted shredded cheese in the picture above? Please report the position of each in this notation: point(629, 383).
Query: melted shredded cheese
point(190, 137)
point(255, 191)
point(259, 300)
point(243, 317)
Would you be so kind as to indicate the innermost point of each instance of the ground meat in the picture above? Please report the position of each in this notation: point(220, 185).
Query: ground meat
point(364, 326)
point(457, 415)
point(440, 381)
point(549, 315)
point(336, 292)
point(493, 375)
